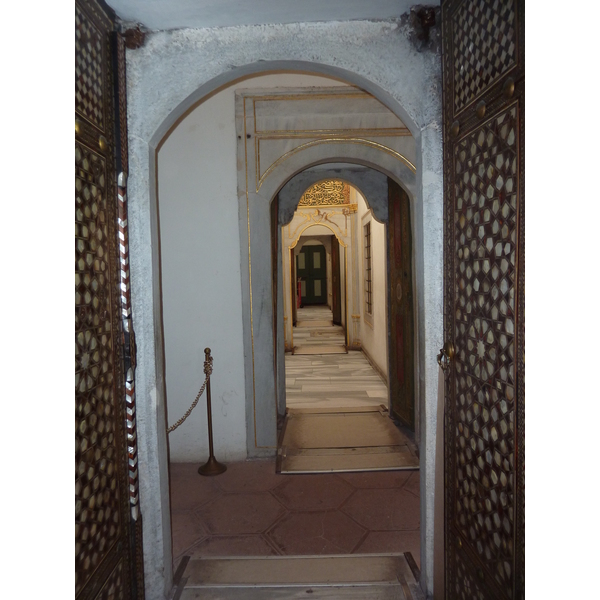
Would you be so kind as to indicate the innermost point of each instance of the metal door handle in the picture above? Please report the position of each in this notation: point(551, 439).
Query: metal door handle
point(446, 355)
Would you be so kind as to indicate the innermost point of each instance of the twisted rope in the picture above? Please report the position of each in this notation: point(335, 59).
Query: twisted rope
point(208, 367)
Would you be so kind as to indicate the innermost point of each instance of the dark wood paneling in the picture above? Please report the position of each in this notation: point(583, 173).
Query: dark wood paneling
point(401, 317)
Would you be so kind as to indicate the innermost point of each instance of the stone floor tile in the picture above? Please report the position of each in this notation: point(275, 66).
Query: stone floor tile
point(312, 492)
point(323, 532)
point(377, 479)
point(233, 514)
point(189, 489)
point(248, 476)
point(414, 484)
point(384, 510)
point(186, 530)
point(392, 541)
point(232, 545)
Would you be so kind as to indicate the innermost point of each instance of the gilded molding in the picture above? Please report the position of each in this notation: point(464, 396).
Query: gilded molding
point(317, 142)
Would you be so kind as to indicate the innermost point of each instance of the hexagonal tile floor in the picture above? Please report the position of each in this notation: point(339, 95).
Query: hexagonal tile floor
point(251, 511)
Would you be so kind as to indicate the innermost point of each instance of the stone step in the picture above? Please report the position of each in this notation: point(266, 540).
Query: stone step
point(373, 576)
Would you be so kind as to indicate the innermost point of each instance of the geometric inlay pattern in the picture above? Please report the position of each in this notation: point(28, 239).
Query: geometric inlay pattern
point(485, 221)
point(326, 193)
point(466, 586)
point(484, 33)
point(89, 88)
point(114, 588)
point(97, 521)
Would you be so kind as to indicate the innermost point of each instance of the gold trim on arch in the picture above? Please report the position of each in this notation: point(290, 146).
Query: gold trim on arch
point(310, 213)
point(312, 225)
point(359, 141)
point(332, 93)
point(277, 134)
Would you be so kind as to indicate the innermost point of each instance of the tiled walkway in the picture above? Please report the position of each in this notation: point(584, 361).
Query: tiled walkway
point(329, 380)
point(333, 381)
point(251, 511)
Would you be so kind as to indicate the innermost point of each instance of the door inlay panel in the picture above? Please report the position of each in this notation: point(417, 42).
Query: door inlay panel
point(114, 588)
point(89, 59)
point(485, 219)
point(97, 502)
point(485, 47)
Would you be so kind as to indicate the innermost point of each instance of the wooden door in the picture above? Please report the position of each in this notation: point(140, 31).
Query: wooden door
point(336, 290)
point(108, 553)
point(484, 319)
point(312, 268)
point(275, 239)
point(294, 284)
point(400, 307)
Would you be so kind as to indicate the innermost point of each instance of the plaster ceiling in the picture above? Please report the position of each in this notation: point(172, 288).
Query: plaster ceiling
point(176, 14)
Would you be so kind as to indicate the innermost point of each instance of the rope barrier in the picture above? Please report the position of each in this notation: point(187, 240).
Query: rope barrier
point(208, 367)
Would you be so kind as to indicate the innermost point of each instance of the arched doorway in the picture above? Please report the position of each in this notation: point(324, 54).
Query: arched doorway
point(377, 274)
point(151, 349)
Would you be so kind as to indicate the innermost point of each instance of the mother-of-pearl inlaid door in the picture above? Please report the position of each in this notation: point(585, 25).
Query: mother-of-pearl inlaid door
point(108, 562)
point(484, 291)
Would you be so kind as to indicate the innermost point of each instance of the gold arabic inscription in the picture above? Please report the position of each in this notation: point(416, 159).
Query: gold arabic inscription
point(331, 192)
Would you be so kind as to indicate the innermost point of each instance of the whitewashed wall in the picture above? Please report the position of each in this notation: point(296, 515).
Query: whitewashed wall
point(373, 331)
point(201, 286)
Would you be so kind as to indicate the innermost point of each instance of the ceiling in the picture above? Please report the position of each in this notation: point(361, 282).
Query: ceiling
point(176, 14)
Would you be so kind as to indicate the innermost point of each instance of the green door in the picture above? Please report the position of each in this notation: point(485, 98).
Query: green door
point(312, 274)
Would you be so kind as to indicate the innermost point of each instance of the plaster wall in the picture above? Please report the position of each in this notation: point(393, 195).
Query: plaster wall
point(166, 78)
point(200, 267)
point(373, 328)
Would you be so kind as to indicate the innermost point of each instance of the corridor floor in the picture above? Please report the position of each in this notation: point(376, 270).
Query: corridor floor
point(325, 380)
point(251, 511)
point(315, 333)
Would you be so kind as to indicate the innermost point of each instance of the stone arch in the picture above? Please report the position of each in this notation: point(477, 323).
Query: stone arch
point(372, 183)
point(161, 93)
point(333, 231)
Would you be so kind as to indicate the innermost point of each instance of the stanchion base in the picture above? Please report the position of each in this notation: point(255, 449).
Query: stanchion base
point(212, 467)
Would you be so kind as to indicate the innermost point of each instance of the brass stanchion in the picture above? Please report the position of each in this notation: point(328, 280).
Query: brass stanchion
point(212, 466)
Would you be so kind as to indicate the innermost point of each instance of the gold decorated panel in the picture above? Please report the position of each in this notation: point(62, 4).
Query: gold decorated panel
point(331, 192)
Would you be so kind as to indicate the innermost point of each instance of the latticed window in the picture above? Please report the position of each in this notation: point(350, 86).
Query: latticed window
point(368, 271)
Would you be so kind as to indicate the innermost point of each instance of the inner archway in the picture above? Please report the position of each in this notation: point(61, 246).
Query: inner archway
point(373, 250)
